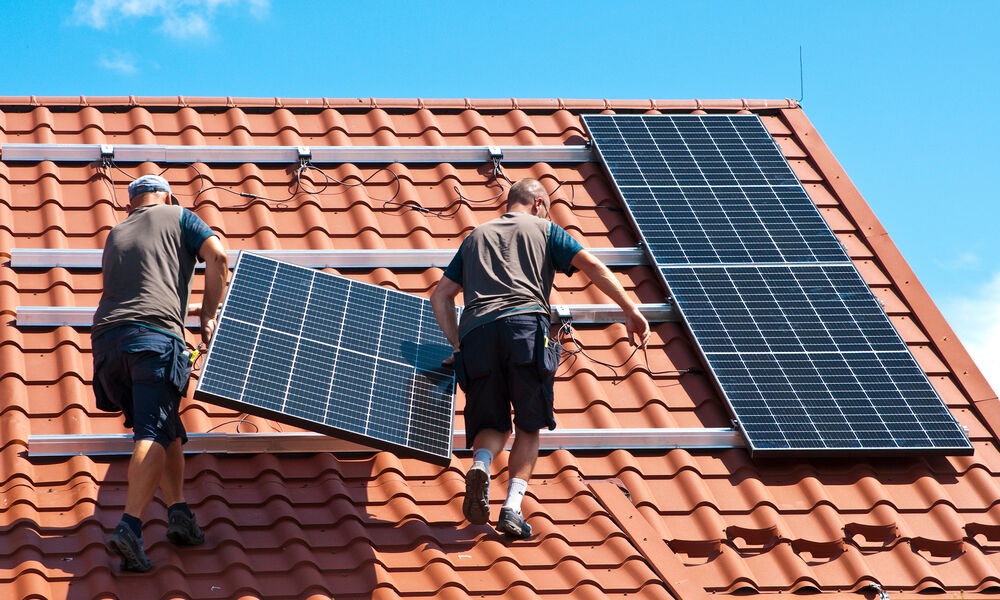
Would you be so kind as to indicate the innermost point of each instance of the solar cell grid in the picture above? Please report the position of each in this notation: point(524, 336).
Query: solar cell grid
point(332, 355)
point(809, 361)
point(782, 309)
point(717, 188)
point(825, 402)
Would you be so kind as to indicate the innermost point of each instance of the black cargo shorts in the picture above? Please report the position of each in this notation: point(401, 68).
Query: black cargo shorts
point(509, 362)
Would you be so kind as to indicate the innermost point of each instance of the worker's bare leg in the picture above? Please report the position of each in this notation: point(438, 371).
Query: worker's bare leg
point(523, 454)
point(145, 471)
point(490, 439)
point(172, 481)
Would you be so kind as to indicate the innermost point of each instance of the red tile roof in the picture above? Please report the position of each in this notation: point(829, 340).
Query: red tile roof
point(646, 524)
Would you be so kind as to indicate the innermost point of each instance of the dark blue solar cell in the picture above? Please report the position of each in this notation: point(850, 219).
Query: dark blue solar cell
point(288, 298)
point(311, 381)
point(363, 318)
point(324, 316)
point(230, 352)
point(389, 417)
point(351, 397)
point(401, 328)
point(270, 370)
point(247, 295)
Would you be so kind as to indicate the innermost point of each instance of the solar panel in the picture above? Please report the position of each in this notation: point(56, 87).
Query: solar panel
point(711, 189)
point(800, 349)
point(808, 360)
point(332, 355)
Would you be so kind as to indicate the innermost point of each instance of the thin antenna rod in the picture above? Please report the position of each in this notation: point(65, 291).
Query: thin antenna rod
point(802, 85)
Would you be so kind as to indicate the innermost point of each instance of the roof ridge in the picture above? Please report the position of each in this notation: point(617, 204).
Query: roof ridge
point(553, 104)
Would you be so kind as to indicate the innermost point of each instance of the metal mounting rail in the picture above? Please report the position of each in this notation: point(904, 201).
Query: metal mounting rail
point(707, 438)
point(83, 316)
point(130, 153)
point(337, 259)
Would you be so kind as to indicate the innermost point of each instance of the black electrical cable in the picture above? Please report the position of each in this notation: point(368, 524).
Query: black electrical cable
point(238, 422)
point(566, 329)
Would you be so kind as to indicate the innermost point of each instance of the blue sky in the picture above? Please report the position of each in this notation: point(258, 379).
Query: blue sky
point(903, 93)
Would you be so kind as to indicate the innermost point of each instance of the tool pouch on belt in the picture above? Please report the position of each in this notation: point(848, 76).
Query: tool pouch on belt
point(548, 352)
point(180, 369)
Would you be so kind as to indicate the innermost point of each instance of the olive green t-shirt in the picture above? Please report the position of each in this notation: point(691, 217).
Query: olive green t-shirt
point(507, 266)
point(148, 264)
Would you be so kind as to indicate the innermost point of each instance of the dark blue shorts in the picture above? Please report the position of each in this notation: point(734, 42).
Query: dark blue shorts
point(509, 362)
point(142, 373)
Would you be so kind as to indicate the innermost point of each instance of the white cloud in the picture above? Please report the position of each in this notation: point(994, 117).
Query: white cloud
point(177, 18)
point(123, 64)
point(966, 261)
point(190, 25)
point(976, 321)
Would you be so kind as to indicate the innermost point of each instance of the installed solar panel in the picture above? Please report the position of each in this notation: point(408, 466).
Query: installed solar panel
point(711, 189)
point(333, 355)
point(799, 347)
point(808, 360)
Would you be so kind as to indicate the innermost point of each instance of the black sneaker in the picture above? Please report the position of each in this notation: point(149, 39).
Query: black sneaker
point(512, 523)
point(183, 530)
point(127, 545)
point(476, 506)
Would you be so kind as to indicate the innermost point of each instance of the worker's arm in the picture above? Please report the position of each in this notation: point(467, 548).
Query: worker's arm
point(604, 279)
point(443, 304)
point(216, 272)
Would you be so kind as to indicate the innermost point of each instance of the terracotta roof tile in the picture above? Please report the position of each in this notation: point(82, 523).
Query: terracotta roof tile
point(374, 525)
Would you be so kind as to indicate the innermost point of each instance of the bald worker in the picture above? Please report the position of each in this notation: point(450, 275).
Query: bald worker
point(504, 354)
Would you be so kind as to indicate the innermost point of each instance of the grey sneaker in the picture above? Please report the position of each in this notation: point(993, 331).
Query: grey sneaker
point(183, 530)
point(127, 545)
point(512, 523)
point(476, 506)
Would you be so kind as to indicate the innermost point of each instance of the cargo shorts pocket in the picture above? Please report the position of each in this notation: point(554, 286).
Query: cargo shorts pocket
point(180, 372)
point(467, 371)
point(459, 365)
point(549, 353)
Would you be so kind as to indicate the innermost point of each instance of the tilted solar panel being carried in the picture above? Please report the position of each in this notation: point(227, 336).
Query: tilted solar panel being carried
point(332, 355)
point(799, 347)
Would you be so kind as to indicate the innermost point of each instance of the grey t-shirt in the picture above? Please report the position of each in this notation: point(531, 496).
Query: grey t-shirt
point(148, 264)
point(507, 266)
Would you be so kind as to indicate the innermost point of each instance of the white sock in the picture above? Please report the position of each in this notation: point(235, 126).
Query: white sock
point(484, 456)
point(515, 492)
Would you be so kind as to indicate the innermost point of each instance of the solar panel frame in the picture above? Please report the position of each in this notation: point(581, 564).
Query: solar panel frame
point(693, 167)
point(314, 362)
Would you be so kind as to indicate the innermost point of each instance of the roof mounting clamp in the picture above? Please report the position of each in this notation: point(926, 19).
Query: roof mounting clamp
point(562, 312)
point(495, 152)
point(305, 153)
point(107, 152)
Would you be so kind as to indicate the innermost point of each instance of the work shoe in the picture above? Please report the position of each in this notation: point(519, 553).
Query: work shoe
point(183, 530)
point(127, 545)
point(512, 523)
point(476, 506)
